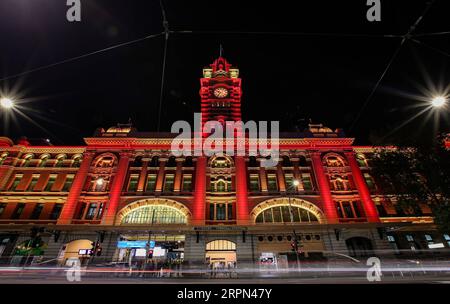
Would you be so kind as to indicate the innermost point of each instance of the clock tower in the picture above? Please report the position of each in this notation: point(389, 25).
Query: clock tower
point(220, 92)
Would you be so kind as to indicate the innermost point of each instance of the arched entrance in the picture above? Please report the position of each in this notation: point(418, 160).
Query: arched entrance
point(75, 250)
point(359, 246)
point(221, 254)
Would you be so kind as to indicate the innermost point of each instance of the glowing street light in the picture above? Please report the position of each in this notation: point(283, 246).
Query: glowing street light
point(296, 182)
point(6, 103)
point(438, 101)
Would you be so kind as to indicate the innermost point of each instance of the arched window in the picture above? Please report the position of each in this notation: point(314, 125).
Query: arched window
point(188, 162)
point(3, 157)
point(155, 214)
point(43, 160)
point(361, 159)
point(154, 162)
point(60, 160)
point(286, 161)
point(220, 184)
point(285, 214)
point(252, 162)
point(220, 245)
point(76, 161)
point(171, 162)
point(137, 162)
point(26, 160)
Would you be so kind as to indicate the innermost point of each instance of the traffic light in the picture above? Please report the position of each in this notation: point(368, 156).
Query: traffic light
point(98, 249)
point(92, 250)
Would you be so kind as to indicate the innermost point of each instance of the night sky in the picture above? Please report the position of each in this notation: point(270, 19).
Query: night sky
point(286, 76)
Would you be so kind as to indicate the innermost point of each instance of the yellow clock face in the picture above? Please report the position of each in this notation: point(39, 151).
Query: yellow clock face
point(221, 92)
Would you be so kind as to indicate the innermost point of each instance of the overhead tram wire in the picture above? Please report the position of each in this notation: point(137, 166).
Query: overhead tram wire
point(421, 43)
point(287, 34)
point(405, 37)
point(80, 56)
point(166, 40)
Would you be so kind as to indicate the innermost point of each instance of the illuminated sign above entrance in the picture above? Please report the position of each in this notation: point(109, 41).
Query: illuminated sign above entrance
point(135, 244)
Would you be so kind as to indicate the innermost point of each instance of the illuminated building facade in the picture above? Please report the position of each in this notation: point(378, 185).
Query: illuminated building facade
point(125, 190)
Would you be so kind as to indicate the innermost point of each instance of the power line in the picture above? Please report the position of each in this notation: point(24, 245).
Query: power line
point(407, 36)
point(287, 34)
point(166, 39)
point(431, 47)
point(80, 57)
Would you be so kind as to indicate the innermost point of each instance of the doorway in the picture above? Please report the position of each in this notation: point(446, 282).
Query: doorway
point(221, 254)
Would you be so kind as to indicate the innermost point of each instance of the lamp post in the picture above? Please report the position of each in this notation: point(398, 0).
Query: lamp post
point(6, 103)
point(293, 187)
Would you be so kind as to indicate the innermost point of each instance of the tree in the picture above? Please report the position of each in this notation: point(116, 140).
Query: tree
point(416, 175)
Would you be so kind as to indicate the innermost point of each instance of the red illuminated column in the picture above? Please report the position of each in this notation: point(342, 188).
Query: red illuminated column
point(364, 193)
point(242, 212)
point(198, 209)
point(77, 186)
point(5, 174)
point(116, 189)
point(324, 188)
point(143, 176)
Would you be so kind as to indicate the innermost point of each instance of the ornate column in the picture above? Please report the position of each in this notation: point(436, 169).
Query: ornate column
point(161, 172)
point(116, 189)
point(5, 175)
point(242, 212)
point(198, 208)
point(369, 206)
point(262, 177)
point(71, 203)
point(143, 175)
point(324, 188)
point(280, 176)
point(178, 175)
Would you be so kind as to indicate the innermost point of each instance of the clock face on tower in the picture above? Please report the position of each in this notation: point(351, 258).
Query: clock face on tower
point(221, 92)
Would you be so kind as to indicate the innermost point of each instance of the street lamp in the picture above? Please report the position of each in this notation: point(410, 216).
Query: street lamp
point(438, 101)
point(6, 103)
point(295, 183)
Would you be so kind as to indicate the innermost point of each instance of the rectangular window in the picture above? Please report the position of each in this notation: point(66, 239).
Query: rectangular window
point(230, 211)
point(68, 183)
point(2, 208)
point(428, 238)
point(91, 211)
point(339, 210)
point(133, 183)
point(56, 211)
point(306, 180)
point(289, 179)
point(50, 182)
point(37, 211)
point(409, 238)
point(16, 181)
point(211, 211)
point(100, 211)
point(18, 211)
point(391, 238)
point(81, 211)
point(220, 212)
point(168, 182)
point(187, 182)
point(34, 180)
point(151, 183)
point(357, 209)
point(446, 237)
point(254, 183)
point(272, 182)
point(347, 209)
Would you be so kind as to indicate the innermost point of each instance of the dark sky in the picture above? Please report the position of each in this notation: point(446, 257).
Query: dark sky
point(286, 77)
